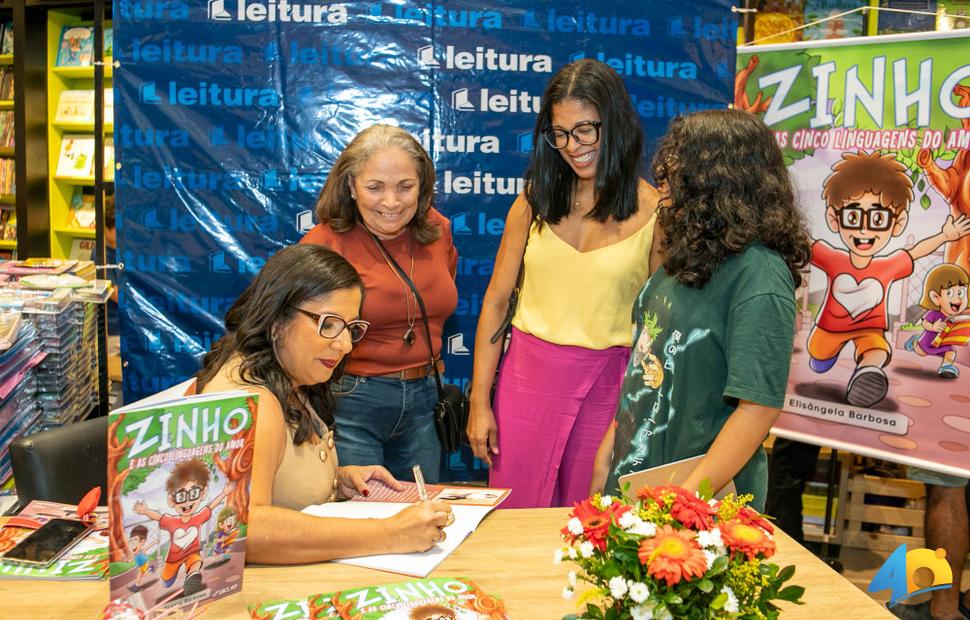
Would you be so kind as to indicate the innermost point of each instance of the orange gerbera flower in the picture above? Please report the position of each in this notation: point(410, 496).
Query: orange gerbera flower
point(672, 555)
point(750, 516)
point(747, 539)
point(596, 522)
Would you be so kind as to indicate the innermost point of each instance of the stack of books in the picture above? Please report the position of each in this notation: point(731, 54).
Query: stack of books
point(19, 410)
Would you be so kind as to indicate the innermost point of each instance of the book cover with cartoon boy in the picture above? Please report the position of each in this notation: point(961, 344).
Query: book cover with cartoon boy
point(178, 480)
point(440, 598)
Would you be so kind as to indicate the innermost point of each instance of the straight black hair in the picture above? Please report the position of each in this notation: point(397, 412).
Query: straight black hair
point(550, 182)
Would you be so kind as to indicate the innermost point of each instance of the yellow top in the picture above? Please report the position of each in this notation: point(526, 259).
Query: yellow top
point(578, 298)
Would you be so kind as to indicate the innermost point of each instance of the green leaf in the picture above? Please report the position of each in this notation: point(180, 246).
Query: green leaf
point(925, 202)
point(791, 593)
point(705, 585)
point(706, 489)
point(948, 155)
point(719, 600)
point(610, 569)
point(786, 573)
point(921, 185)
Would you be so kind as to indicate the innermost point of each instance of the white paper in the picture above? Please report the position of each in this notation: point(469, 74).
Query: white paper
point(467, 519)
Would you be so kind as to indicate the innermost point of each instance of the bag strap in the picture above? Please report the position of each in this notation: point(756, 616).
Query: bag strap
point(517, 291)
point(424, 313)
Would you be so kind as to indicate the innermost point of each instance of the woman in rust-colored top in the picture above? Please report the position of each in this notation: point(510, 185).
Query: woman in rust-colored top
point(375, 207)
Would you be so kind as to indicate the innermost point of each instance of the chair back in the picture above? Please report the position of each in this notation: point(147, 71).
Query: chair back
point(62, 464)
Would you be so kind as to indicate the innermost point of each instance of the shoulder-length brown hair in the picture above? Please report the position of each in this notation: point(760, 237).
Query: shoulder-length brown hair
point(336, 207)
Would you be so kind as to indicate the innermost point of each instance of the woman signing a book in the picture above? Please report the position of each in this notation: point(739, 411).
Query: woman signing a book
point(287, 336)
point(715, 323)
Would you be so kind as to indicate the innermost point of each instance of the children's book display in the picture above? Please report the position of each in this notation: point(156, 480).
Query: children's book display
point(76, 159)
point(82, 214)
point(76, 46)
point(66, 330)
point(469, 505)
point(6, 128)
point(178, 480)
point(424, 599)
point(8, 177)
point(87, 559)
point(7, 88)
point(6, 38)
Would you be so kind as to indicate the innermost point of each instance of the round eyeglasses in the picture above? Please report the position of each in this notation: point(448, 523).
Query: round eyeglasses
point(331, 325)
point(585, 133)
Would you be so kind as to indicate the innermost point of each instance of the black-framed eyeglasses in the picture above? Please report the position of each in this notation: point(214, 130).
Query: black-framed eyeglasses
point(585, 133)
point(331, 325)
point(182, 495)
point(855, 218)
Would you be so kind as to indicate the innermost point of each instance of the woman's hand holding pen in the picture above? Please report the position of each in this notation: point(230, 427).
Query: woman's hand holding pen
point(418, 527)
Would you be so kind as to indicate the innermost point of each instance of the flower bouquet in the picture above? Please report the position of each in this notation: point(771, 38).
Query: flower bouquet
point(673, 554)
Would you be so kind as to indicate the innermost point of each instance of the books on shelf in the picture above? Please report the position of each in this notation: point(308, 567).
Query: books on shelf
point(6, 38)
point(76, 159)
point(6, 128)
point(81, 249)
point(109, 158)
point(82, 209)
point(6, 83)
point(7, 177)
point(77, 106)
point(76, 46)
point(109, 42)
point(8, 224)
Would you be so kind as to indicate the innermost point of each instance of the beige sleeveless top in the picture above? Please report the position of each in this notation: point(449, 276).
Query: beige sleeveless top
point(307, 474)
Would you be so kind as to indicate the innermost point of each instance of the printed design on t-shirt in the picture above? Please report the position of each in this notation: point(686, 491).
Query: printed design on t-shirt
point(653, 372)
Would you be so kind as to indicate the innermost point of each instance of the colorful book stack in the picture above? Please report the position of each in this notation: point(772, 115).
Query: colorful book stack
point(19, 410)
point(66, 330)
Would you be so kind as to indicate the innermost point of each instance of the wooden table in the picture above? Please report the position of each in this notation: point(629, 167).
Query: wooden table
point(510, 555)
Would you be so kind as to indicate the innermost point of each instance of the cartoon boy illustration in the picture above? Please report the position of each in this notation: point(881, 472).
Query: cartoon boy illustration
point(138, 546)
point(653, 371)
point(186, 486)
point(867, 200)
point(226, 532)
point(945, 299)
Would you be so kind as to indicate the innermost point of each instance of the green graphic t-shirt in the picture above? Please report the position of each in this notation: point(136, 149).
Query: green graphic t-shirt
point(697, 352)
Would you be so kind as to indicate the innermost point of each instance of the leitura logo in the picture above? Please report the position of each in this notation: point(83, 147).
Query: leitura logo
point(906, 574)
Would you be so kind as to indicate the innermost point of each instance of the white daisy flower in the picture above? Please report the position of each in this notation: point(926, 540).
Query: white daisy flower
point(606, 500)
point(618, 587)
point(586, 549)
point(571, 552)
point(567, 593)
point(640, 612)
point(626, 520)
point(639, 592)
point(575, 526)
point(557, 556)
point(571, 576)
point(731, 606)
point(710, 556)
point(710, 538)
point(643, 528)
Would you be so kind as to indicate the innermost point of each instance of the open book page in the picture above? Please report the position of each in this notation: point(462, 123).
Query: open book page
point(469, 504)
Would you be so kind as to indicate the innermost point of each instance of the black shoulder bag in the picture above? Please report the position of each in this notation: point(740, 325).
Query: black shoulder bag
point(451, 410)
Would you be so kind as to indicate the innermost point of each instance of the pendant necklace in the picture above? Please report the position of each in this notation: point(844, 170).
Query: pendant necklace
point(326, 439)
point(410, 303)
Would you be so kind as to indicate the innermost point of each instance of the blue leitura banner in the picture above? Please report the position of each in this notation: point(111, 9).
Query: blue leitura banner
point(230, 113)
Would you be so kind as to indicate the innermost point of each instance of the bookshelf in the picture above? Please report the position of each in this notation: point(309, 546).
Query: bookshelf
point(8, 152)
point(63, 134)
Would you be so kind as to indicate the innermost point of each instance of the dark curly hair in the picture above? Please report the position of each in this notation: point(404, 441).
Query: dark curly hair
point(290, 277)
point(549, 179)
point(724, 185)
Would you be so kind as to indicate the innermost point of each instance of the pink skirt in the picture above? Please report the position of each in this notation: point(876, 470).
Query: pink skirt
point(553, 404)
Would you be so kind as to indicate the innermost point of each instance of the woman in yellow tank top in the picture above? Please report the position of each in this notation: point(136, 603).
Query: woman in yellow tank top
point(583, 232)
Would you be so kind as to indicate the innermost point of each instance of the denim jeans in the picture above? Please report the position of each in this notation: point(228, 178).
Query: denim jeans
point(388, 422)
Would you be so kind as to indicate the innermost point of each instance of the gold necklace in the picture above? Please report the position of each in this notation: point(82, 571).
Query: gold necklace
point(410, 303)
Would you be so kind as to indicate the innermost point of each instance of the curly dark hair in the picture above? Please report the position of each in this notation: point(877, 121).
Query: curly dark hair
point(549, 179)
point(336, 207)
point(724, 185)
point(290, 277)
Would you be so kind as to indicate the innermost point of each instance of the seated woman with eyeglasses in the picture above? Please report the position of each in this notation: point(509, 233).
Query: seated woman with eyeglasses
point(582, 232)
point(286, 337)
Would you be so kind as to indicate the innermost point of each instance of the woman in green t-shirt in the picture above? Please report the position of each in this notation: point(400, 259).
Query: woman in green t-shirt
point(715, 323)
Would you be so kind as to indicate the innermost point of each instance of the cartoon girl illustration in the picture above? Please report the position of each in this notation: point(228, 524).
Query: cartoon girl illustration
point(653, 370)
point(945, 299)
